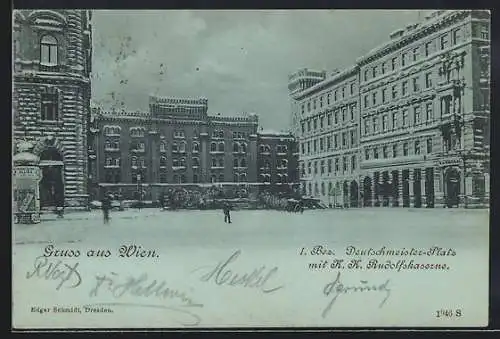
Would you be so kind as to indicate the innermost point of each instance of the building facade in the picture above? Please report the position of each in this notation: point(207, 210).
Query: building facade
point(277, 160)
point(175, 143)
point(52, 52)
point(424, 117)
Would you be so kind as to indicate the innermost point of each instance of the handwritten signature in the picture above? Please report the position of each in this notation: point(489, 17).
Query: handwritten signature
point(143, 287)
point(336, 288)
point(259, 278)
point(65, 274)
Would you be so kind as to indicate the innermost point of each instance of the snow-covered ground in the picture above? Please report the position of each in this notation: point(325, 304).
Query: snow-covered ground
point(264, 245)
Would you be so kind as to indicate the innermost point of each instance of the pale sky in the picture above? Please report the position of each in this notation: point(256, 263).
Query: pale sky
point(239, 60)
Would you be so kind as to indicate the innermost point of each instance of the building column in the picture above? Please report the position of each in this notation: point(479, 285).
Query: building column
point(374, 188)
point(468, 193)
point(438, 187)
point(423, 188)
point(204, 163)
point(400, 188)
point(410, 187)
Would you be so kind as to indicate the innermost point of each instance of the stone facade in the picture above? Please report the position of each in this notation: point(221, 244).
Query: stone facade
point(423, 122)
point(51, 94)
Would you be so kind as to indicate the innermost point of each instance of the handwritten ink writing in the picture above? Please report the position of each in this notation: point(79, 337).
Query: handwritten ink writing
point(258, 278)
point(67, 275)
point(337, 288)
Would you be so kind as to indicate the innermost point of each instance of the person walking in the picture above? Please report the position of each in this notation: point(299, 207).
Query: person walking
point(227, 213)
point(106, 206)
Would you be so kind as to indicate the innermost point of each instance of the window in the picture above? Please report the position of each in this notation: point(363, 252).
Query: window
point(367, 154)
point(353, 162)
point(352, 108)
point(48, 50)
point(315, 146)
point(404, 88)
point(457, 36)
point(315, 123)
point(315, 167)
point(394, 150)
point(344, 113)
point(336, 116)
point(429, 116)
point(417, 147)
point(322, 167)
point(235, 163)
point(344, 163)
point(405, 118)
point(367, 126)
point(428, 80)
point(344, 139)
point(384, 95)
point(393, 63)
point(403, 59)
point(322, 122)
point(163, 162)
point(384, 152)
point(394, 92)
point(444, 42)
point(243, 163)
point(49, 107)
point(303, 126)
point(196, 162)
point(196, 147)
point(309, 168)
point(309, 106)
point(415, 54)
point(321, 146)
point(343, 92)
point(366, 75)
point(383, 68)
point(385, 125)
point(133, 162)
point(329, 142)
point(221, 177)
point(394, 120)
point(352, 88)
point(335, 95)
point(353, 138)
point(328, 98)
point(309, 125)
point(405, 149)
point(375, 124)
point(213, 147)
point(416, 115)
point(374, 98)
point(329, 119)
point(221, 147)
point(375, 153)
point(221, 162)
point(485, 34)
point(330, 165)
point(416, 86)
point(366, 101)
point(195, 178)
point(374, 72)
point(336, 141)
point(236, 147)
point(309, 147)
point(429, 145)
point(302, 148)
point(303, 108)
point(162, 147)
point(321, 101)
point(428, 48)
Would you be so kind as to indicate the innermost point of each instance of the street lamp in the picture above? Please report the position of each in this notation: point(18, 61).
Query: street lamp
point(139, 188)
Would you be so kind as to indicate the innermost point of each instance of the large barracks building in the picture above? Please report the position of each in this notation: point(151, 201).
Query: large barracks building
point(408, 125)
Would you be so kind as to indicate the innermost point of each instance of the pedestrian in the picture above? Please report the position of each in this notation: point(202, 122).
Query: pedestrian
point(106, 206)
point(227, 213)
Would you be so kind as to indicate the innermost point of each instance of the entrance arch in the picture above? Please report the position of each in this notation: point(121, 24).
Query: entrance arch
point(367, 192)
point(51, 184)
point(354, 194)
point(452, 186)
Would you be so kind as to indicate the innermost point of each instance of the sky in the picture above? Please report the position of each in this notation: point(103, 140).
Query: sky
point(238, 60)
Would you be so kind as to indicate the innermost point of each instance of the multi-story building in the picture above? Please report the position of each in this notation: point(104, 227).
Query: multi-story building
point(51, 98)
point(328, 133)
point(176, 142)
point(277, 159)
point(424, 123)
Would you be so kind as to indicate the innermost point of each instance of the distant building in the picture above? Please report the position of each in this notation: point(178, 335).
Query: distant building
point(420, 104)
point(51, 98)
point(277, 160)
point(176, 142)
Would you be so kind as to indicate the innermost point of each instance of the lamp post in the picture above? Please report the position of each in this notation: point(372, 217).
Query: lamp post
point(139, 188)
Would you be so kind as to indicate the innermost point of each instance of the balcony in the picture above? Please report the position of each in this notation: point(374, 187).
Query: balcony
point(49, 68)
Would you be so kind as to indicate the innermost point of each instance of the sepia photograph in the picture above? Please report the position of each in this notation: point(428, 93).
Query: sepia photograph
point(200, 169)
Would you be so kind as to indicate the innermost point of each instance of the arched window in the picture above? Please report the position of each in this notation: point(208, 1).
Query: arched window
point(175, 162)
point(109, 161)
point(134, 162)
point(284, 178)
point(213, 147)
point(48, 50)
point(117, 162)
point(221, 162)
point(243, 163)
point(284, 163)
point(243, 148)
point(163, 162)
point(268, 149)
point(143, 163)
point(116, 145)
point(162, 147)
point(175, 147)
point(235, 163)
point(243, 177)
point(107, 144)
point(196, 162)
point(262, 148)
point(196, 147)
point(182, 147)
point(183, 162)
point(236, 147)
point(221, 147)
point(214, 162)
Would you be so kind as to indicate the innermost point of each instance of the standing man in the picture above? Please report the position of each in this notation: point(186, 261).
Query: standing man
point(227, 212)
point(106, 206)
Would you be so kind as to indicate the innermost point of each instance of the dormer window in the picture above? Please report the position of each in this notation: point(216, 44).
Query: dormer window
point(48, 50)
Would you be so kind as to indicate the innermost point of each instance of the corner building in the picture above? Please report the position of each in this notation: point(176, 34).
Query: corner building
point(425, 115)
point(52, 52)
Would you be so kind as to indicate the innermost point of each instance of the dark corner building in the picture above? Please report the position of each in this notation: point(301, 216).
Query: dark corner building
point(51, 98)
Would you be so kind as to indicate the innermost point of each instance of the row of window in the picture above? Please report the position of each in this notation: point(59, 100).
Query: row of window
point(219, 134)
point(177, 147)
point(331, 142)
point(326, 99)
point(280, 164)
point(264, 148)
point(141, 131)
point(398, 119)
point(414, 54)
point(114, 176)
point(395, 151)
point(382, 96)
point(280, 178)
point(176, 162)
point(325, 119)
point(330, 165)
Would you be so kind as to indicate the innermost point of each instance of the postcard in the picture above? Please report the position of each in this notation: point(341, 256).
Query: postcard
point(250, 169)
